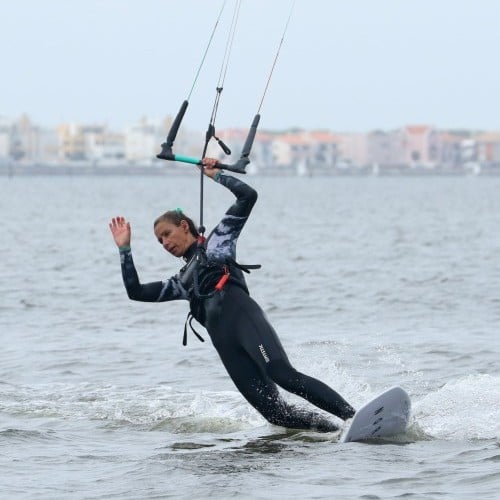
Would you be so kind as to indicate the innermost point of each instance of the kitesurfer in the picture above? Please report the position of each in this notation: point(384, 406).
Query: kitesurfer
point(215, 286)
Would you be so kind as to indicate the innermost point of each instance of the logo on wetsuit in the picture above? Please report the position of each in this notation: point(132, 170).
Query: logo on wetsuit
point(264, 353)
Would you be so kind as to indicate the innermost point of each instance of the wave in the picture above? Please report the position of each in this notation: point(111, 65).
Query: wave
point(159, 408)
point(464, 409)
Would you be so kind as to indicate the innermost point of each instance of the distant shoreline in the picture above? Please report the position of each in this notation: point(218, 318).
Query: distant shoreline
point(68, 170)
point(15, 170)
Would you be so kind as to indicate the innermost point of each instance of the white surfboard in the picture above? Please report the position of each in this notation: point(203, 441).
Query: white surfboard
point(384, 416)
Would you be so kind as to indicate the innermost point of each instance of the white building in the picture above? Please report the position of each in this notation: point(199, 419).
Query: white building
point(5, 132)
point(143, 141)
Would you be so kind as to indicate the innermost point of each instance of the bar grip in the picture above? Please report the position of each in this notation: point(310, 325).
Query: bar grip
point(166, 147)
point(245, 152)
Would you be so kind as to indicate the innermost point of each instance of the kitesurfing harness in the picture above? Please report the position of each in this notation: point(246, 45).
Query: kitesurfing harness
point(203, 278)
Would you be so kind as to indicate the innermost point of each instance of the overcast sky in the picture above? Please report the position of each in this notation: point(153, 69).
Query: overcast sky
point(346, 65)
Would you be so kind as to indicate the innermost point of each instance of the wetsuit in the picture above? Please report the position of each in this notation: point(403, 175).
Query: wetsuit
point(245, 340)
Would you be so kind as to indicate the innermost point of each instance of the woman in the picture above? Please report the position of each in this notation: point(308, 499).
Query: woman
point(214, 284)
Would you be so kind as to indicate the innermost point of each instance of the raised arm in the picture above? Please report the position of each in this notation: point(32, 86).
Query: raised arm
point(246, 196)
point(222, 241)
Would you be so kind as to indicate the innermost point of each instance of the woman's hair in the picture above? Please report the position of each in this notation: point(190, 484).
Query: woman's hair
point(175, 217)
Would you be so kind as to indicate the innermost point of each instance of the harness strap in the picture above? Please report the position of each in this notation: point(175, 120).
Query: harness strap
point(196, 288)
point(244, 267)
point(189, 320)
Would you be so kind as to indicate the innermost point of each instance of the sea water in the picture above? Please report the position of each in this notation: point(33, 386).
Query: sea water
point(371, 282)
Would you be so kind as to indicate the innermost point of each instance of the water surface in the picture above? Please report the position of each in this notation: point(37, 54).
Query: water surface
point(370, 282)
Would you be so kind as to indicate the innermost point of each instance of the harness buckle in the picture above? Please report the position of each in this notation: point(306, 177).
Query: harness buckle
point(223, 279)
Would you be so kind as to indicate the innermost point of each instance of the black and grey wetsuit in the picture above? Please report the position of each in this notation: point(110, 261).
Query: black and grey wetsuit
point(245, 340)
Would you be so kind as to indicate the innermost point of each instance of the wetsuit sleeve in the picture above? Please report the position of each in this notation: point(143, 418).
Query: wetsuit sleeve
point(222, 241)
point(245, 195)
point(157, 291)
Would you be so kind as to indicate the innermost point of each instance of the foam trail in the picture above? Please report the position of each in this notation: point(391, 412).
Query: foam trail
point(151, 407)
point(468, 408)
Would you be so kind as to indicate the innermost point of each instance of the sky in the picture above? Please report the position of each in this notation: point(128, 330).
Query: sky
point(345, 65)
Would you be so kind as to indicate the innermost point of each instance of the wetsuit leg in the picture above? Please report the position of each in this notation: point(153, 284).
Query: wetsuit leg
point(255, 360)
point(262, 393)
point(309, 388)
point(280, 370)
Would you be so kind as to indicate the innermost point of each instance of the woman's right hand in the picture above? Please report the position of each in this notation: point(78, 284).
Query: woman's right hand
point(120, 229)
point(210, 167)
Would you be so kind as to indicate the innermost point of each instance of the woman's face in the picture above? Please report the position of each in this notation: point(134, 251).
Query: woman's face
point(174, 239)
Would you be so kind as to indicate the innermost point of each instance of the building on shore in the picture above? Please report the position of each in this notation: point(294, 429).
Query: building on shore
point(410, 148)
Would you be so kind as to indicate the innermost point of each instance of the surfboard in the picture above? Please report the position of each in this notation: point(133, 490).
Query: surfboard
point(384, 416)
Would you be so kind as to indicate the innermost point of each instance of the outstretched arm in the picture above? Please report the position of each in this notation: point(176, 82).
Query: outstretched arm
point(156, 291)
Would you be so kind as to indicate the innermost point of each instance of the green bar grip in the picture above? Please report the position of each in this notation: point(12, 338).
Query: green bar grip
point(187, 159)
point(194, 161)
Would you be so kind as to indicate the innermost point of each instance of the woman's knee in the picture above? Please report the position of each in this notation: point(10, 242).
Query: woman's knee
point(284, 374)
